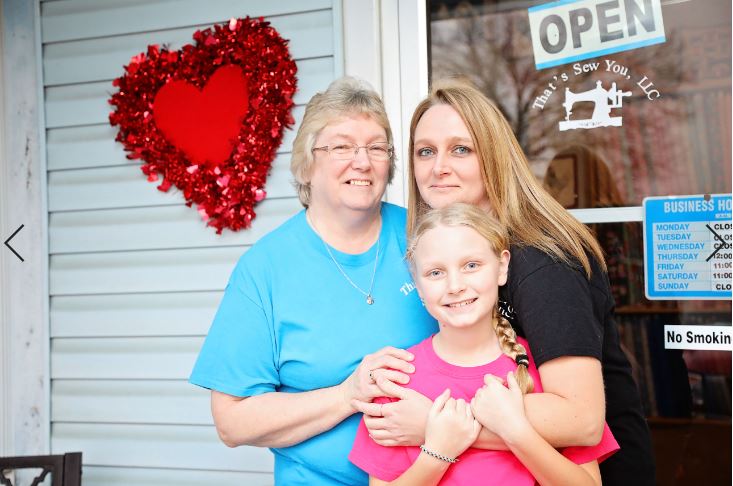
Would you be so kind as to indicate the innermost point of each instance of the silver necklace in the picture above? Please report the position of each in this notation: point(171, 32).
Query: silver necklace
point(368, 295)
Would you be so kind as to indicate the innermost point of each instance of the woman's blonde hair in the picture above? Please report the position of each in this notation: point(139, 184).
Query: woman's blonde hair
point(531, 216)
point(345, 96)
point(460, 214)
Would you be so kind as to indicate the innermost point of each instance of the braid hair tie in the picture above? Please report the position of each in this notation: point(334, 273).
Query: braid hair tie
point(522, 360)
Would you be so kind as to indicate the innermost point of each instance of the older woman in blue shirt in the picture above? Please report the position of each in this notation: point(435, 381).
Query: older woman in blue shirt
point(311, 308)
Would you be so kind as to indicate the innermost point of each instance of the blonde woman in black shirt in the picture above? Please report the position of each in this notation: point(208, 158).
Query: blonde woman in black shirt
point(462, 149)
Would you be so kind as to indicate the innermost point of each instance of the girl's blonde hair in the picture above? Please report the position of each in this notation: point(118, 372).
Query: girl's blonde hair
point(472, 217)
point(346, 96)
point(531, 216)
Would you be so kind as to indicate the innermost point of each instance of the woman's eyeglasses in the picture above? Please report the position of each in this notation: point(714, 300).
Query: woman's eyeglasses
point(379, 151)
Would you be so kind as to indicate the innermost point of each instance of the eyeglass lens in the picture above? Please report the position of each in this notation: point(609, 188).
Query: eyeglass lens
point(376, 151)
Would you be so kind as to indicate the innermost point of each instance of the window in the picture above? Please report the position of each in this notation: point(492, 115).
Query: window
point(606, 132)
point(672, 101)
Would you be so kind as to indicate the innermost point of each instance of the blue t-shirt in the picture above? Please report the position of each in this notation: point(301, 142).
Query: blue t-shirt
point(290, 322)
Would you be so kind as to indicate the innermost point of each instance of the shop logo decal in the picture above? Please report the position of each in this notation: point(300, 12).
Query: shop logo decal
point(604, 100)
point(567, 31)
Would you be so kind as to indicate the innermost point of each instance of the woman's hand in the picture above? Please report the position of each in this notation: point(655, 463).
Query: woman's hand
point(400, 423)
point(387, 364)
point(500, 408)
point(451, 427)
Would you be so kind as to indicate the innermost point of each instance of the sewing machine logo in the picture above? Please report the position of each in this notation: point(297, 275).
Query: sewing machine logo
point(604, 100)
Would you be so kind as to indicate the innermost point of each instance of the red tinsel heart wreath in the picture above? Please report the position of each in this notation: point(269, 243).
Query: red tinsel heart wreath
point(209, 117)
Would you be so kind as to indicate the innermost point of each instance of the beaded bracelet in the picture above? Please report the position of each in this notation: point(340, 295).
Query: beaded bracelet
point(438, 456)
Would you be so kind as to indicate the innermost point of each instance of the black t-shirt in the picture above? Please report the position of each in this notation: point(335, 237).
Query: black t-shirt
point(562, 313)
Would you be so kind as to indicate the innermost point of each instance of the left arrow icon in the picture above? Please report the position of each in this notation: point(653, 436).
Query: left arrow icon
point(7, 242)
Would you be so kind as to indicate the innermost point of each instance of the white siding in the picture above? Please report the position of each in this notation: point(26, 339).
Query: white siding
point(134, 275)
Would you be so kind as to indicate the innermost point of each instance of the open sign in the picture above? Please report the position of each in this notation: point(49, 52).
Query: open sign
point(572, 30)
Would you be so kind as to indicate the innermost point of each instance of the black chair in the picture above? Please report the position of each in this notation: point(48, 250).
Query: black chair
point(65, 469)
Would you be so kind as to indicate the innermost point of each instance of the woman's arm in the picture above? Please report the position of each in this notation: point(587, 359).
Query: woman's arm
point(571, 411)
point(451, 429)
point(278, 419)
point(501, 409)
point(547, 465)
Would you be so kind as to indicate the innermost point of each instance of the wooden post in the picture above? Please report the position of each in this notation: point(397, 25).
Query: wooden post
point(24, 336)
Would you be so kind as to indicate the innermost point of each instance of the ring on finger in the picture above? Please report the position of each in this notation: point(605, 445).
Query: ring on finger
point(371, 377)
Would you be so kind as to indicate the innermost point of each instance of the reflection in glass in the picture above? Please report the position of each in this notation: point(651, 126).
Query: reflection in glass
point(676, 143)
point(577, 177)
point(686, 394)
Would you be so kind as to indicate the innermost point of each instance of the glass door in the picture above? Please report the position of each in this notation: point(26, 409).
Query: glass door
point(604, 128)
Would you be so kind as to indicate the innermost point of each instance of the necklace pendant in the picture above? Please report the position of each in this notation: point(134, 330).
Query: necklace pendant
point(370, 299)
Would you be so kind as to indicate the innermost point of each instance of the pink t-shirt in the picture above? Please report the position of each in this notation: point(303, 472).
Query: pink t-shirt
point(476, 466)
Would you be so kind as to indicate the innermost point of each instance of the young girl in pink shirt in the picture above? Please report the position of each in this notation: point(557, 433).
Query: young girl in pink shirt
point(459, 258)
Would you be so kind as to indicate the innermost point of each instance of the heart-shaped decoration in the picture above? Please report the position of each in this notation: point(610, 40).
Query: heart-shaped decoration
point(209, 117)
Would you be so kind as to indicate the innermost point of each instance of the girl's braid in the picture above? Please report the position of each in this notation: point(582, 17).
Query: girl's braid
point(510, 347)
